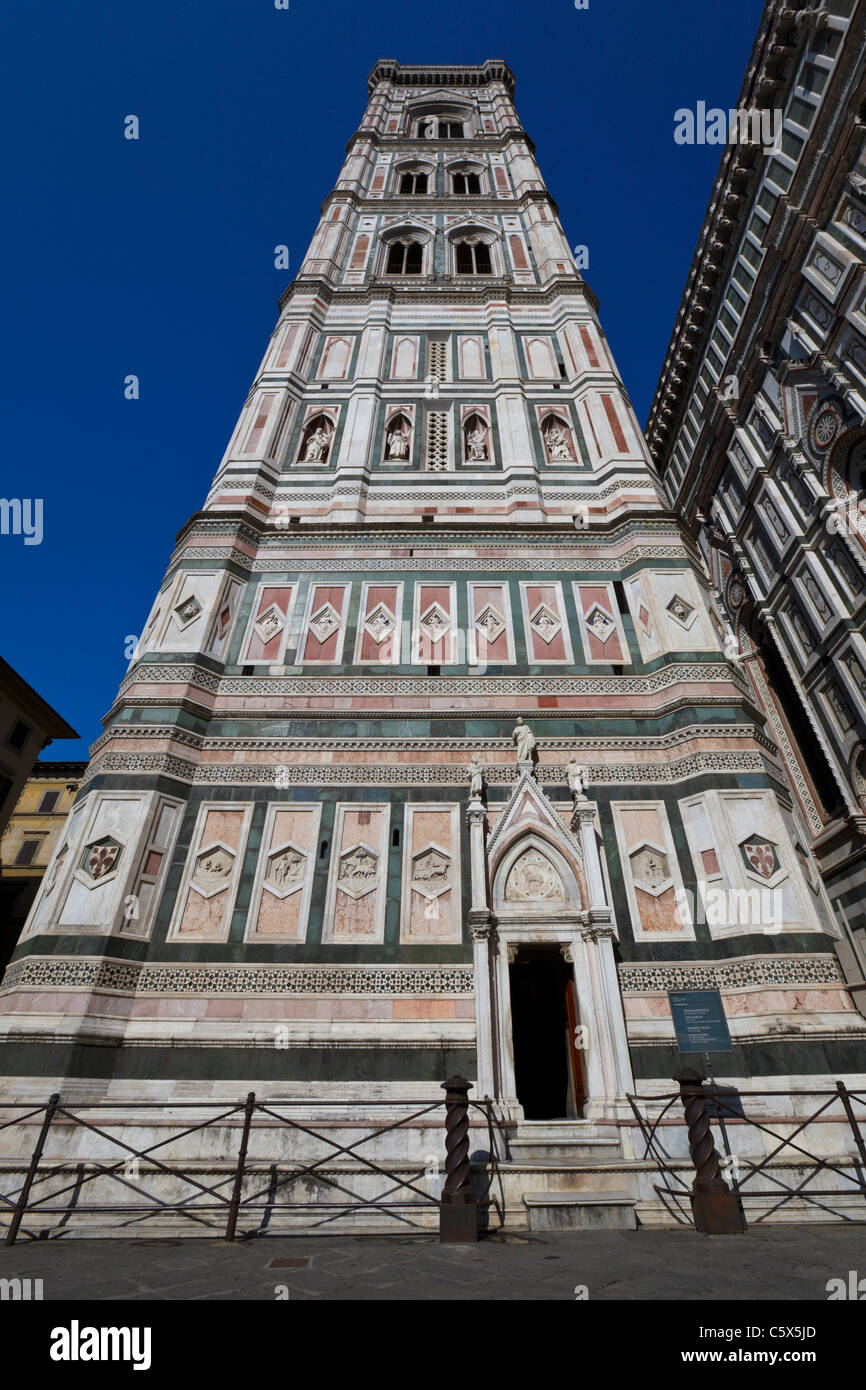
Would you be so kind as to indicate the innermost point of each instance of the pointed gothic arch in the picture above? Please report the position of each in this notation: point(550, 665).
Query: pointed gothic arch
point(534, 877)
point(316, 440)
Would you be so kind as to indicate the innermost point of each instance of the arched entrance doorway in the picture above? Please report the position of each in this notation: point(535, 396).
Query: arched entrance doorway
point(547, 1034)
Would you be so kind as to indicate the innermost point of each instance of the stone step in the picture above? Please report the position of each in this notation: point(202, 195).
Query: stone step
point(580, 1211)
point(568, 1140)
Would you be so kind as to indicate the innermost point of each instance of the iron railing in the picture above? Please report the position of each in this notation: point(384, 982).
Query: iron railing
point(403, 1199)
point(730, 1108)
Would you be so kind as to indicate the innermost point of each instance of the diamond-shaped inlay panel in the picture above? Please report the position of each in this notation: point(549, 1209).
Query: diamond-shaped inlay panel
point(490, 623)
point(545, 622)
point(380, 623)
point(682, 612)
point(358, 871)
point(188, 611)
point(760, 856)
point(270, 623)
point(100, 857)
point(324, 623)
point(600, 623)
point(286, 869)
point(431, 872)
point(435, 622)
point(650, 868)
point(213, 869)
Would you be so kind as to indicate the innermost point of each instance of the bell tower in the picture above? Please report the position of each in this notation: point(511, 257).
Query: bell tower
point(314, 847)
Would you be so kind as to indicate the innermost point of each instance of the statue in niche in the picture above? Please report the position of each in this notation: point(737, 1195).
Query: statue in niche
point(398, 444)
point(476, 443)
point(557, 443)
point(577, 777)
point(476, 777)
point(317, 445)
point(524, 739)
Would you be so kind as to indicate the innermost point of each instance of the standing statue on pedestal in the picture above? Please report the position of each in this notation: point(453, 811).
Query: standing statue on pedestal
point(524, 739)
point(577, 777)
point(476, 778)
point(398, 445)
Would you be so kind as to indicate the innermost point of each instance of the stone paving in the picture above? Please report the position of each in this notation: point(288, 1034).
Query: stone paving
point(781, 1262)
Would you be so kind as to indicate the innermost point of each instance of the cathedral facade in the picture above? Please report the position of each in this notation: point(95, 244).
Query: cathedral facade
point(758, 426)
point(431, 759)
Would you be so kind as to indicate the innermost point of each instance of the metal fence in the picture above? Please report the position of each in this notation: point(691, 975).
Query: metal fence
point(246, 1199)
point(732, 1110)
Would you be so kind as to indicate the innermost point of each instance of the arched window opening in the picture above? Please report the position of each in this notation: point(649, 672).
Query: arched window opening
point(431, 128)
point(473, 258)
point(466, 183)
point(405, 258)
point(413, 183)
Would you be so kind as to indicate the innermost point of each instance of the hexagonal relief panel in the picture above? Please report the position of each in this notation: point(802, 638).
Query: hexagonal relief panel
point(358, 871)
point(100, 858)
point(286, 869)
point(650, 869)
point(213, 869)
point(431, 872)
point(760, 856)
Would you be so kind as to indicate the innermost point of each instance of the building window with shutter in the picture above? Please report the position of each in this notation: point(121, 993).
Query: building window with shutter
point(48, 801)
point(27, 852)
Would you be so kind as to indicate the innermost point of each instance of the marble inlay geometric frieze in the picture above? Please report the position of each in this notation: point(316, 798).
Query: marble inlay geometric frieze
point(750, 972)
point(716, 672)
point(127, 977)
point(124, 977)
point(326, 774)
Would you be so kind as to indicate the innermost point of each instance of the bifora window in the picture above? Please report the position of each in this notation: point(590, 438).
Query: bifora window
point(429, 128)
point(473, 258)
point(413, 183)
point(405, 258)
point(467, 183)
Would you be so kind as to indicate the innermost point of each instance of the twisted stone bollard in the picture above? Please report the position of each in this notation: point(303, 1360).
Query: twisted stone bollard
point(715, 1208)
point(458, 1219)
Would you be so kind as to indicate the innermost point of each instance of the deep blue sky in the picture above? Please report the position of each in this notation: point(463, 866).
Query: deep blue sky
point(156, 257)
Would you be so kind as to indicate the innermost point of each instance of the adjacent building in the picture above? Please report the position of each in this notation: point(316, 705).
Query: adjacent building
point(758, 426)
point(27, 725)
point(29, 842)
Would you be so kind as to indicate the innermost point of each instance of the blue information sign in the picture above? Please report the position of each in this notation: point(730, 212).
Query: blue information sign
point(699, 1020)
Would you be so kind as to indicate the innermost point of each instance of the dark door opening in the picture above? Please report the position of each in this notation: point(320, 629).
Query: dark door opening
point(547, 1061)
